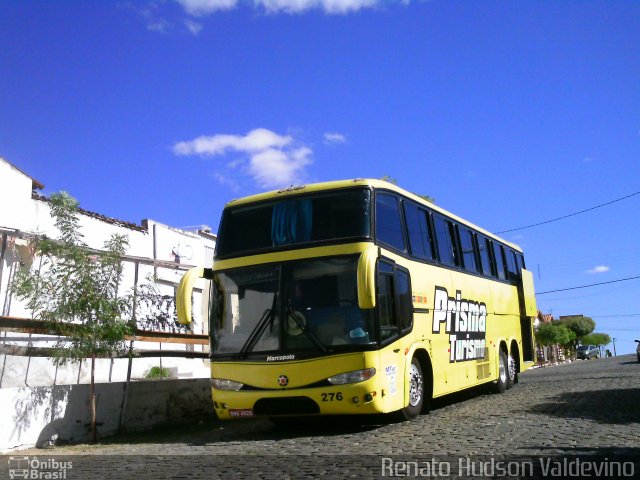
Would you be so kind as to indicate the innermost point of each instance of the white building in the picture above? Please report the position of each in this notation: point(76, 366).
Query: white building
point(157, 255)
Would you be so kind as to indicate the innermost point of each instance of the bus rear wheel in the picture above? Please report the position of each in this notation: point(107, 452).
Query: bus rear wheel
point(501, 384)
point(512, 372)
point(416, 391)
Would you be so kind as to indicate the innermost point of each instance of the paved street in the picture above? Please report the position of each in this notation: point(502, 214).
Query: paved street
point(585, 408)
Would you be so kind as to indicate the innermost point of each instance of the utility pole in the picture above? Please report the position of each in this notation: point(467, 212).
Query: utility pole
point(614, 347)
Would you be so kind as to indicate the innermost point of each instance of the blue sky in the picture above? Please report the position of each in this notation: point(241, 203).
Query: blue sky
point(508, 113)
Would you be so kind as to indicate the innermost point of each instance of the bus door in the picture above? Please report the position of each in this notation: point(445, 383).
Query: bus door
point(528, 310)
point(395, 320)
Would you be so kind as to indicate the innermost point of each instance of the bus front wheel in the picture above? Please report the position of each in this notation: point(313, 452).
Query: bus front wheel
point(416, 391)
point(501, 384)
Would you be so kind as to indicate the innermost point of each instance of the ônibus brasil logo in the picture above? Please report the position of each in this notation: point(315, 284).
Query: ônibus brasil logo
point(38, 468)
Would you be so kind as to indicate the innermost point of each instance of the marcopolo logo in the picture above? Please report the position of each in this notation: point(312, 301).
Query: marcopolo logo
point(464, 320)
point(38, 468)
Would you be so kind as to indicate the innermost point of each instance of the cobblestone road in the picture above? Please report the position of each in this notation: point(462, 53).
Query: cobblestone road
point(583, 408)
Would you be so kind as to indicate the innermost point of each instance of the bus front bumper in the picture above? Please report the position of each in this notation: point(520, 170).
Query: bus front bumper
point(349, 399)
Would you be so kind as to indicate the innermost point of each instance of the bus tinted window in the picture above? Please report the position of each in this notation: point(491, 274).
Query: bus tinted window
point(445, 234)
point(404, 305)
point(386, 310)
point(485, 257)
point(499, 258)
point(420, 239)
point(293, 221)
point(468, 250)
point(514, 272)
point(388, 221)
point(395, 312)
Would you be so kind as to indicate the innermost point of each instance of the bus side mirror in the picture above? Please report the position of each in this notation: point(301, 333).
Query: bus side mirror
point(183, 295)
point(367, 278)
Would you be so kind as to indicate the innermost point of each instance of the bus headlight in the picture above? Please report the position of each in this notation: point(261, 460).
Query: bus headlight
point(352, 377)
point(224, 384)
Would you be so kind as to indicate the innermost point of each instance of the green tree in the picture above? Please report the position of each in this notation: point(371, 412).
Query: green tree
point(579, 325)
point(554, 334)
point(388, 178)
point(598, 339)
point(75, 292)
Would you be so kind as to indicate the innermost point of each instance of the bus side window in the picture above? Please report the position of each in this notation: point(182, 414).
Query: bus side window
point(514, 272)
point(420, 240)
point(389, 228)
point(403, 300)
point(499, 258)
point(485, 257)
point(395, 307)
point(468, 247)
point(447, 242)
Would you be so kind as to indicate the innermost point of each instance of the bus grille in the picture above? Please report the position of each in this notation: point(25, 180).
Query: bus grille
point(286, 406)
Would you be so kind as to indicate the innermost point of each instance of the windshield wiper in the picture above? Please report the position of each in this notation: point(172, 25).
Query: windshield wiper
point(256, 333)
point(303, 328)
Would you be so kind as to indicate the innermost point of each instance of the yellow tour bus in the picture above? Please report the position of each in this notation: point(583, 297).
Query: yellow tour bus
point(357, 296)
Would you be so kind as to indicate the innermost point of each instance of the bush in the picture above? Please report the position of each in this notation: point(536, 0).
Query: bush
point(157, 372)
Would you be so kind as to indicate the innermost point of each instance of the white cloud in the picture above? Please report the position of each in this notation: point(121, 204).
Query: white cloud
point(227, 181)
point(199, 8)
point(277, 168)
point(152, 16)
point(598, 269)
point(269, 159)
point(328, 6)
point(255, 140)
point(193, 27)
point(331, 138)
point(159, 26)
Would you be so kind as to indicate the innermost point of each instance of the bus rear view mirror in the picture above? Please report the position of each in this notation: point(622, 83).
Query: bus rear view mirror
point(183, 296)
point(367, 278)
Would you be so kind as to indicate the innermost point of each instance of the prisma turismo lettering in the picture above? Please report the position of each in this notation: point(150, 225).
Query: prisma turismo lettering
point(464, 320)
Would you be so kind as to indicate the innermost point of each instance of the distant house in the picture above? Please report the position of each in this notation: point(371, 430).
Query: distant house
point(158, 255)
point(544, 353)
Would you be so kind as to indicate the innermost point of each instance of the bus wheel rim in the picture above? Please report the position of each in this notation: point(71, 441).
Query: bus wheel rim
point(503, 369)
point(415, 391)
point(512, 367)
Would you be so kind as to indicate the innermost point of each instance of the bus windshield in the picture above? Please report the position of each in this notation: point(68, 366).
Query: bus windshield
point(317, 310)
point(294, 221)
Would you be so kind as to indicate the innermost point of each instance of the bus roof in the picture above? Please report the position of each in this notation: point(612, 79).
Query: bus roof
point(359, 182)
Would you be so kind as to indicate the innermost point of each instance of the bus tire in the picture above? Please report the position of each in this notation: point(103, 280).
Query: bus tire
point(512, 372)
point(501, 384)
point(416, 391)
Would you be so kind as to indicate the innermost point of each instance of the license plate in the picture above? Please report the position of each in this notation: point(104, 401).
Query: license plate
point(241, 412)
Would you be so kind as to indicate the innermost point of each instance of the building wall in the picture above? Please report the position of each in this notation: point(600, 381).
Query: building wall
point(24, 215)
point(15, 197)
point(41, 416)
